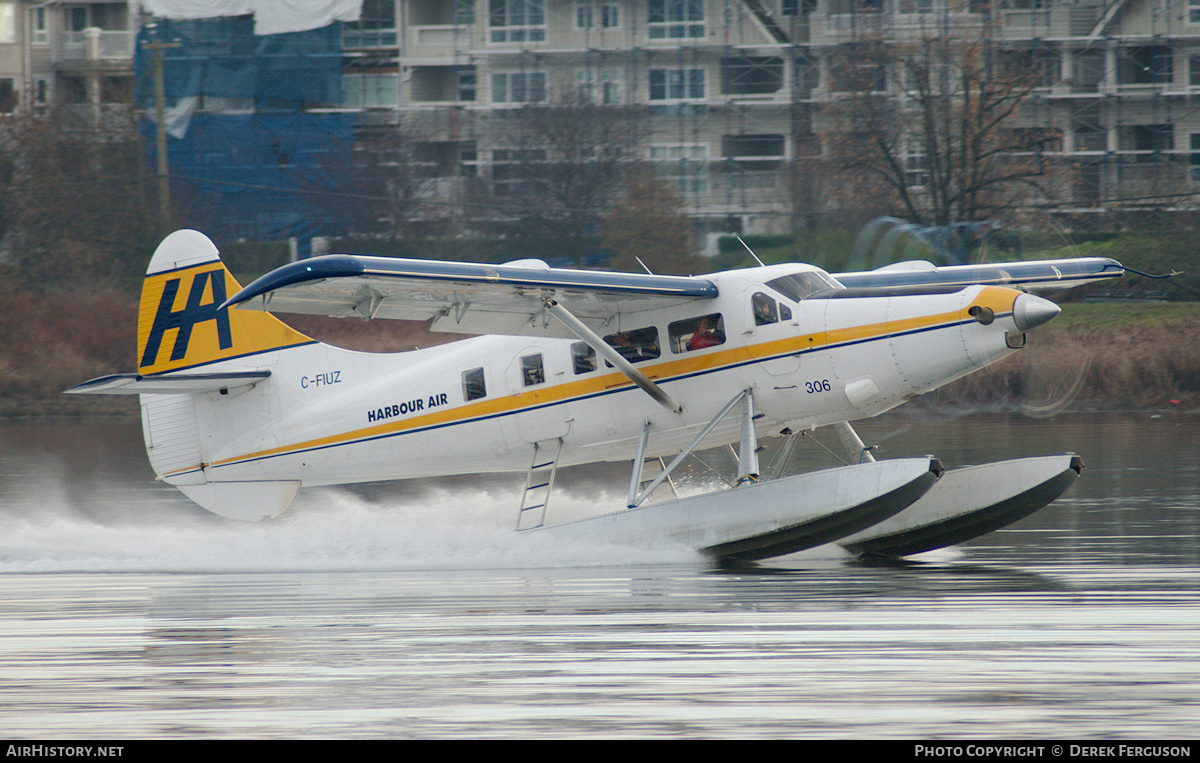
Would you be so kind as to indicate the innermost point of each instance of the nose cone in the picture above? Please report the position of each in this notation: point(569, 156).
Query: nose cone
point(1029, 311)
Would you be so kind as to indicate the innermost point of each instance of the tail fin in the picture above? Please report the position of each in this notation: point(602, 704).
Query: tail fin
point(181, 327)
point(179, 323)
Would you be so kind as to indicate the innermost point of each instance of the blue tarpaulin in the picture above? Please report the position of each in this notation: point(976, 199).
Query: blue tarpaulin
point(265, 175)
point(223, 58)
point(261, 176)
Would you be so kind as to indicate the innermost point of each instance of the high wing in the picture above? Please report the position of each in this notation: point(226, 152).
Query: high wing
point(466, 298)
point(1031, 275)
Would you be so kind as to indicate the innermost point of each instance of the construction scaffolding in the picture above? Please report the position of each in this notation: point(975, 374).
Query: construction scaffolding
point(732, 97)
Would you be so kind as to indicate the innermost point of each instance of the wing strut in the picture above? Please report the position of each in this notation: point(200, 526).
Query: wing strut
point(609, 353)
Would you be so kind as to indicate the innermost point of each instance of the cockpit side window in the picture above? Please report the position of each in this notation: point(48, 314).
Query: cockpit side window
point(765, 311)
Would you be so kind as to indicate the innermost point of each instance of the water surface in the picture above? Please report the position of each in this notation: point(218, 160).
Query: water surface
point(412, 609)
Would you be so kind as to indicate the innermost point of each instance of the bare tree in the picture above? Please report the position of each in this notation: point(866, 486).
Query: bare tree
point(563, 164)
point(72, 204)
point(937, 125)
point(649, 224)
point(378, 183)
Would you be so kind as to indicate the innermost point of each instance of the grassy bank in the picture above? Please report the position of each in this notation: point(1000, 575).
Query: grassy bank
point(1113, 355)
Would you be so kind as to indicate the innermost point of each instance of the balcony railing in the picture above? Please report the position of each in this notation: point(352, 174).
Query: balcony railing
point(110, 46)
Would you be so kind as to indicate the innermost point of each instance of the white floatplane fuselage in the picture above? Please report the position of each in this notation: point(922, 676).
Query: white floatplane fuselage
point(358, 417)
point(574, 367)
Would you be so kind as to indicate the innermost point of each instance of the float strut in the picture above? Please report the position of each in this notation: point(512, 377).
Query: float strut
point(686, 451)
point(748, 452)
point(852, 443)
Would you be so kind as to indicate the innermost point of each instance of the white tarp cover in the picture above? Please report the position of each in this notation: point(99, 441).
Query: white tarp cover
point(270, 16)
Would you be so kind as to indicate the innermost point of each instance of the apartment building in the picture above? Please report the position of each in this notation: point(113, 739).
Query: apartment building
point(738, 89)
point(722, 89)
point(54, 53)
point(731, 94)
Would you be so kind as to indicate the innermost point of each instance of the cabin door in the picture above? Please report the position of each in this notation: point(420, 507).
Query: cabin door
point(772, 323)
point(535, 380)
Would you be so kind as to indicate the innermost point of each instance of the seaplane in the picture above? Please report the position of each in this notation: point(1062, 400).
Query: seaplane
point(568, 367)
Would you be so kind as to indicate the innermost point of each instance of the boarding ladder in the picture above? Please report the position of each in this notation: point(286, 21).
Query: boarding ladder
point(539, 483)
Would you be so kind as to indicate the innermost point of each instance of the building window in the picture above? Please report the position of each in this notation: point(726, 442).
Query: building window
point(751, 75)
point(585, 16)
point(1194, 157)
point(517, 20)
point(517, 171)
point(588, 14)
point(376, 27)
point(8, 22)
point(518, 87)
point(602, 86)
point(464, 12)
point(676, 84)
point(464, 83)
point(8, 95)
point(916, 170)
point(1148, 140)
point(1194, 69)
point(473, 386)
point(37, 22)
point(370, 90)
point(754, 153)
point(1146, 65)
point(1194, 11)
point(686, 166)
point(676, 19)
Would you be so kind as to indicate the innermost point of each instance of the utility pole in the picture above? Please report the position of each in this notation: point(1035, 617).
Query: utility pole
point(164, 187)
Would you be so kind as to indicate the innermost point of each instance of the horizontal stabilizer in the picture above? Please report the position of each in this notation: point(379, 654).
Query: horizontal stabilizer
point(173, 384)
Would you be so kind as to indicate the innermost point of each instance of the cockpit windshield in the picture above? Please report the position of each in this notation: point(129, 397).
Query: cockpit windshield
point(797, 286)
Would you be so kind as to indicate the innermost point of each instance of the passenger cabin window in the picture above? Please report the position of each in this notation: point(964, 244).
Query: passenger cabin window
point(583, 358)
point(473, 386)
point(637, 345)
point(532, 371)
point(697, 333)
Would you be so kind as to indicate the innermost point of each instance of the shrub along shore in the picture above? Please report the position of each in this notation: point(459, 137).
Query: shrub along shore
point(1115, 355)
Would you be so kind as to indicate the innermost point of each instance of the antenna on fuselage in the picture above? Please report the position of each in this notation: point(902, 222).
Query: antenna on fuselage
point(748, 249)
point(639, 261)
